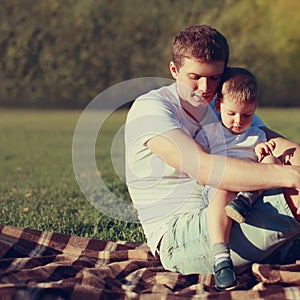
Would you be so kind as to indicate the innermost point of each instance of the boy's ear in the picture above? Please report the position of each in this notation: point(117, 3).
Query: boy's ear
point(217, 105)
point(173, 70)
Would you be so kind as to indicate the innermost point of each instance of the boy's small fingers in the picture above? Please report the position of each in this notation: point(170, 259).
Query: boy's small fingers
point(272, 144)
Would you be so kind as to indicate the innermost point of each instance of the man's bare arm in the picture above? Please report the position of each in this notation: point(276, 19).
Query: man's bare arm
point(180, 151)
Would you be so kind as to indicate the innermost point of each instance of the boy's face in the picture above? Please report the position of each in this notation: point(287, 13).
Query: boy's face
point(236, 116)
point(197, 82)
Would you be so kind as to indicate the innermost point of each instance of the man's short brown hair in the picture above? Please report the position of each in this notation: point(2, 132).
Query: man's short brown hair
point(200, 42)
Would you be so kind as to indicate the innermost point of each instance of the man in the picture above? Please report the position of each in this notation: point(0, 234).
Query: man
point(166, 169)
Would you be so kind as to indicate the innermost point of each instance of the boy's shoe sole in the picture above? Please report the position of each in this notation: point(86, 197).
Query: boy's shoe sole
point(234, 214)
point(238, 209)
point(228, 288)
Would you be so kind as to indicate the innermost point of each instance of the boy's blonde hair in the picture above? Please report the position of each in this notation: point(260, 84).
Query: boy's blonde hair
point(239, 84)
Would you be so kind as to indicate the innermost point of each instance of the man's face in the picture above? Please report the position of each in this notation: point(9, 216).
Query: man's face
point(197, 82)
point(236, 116)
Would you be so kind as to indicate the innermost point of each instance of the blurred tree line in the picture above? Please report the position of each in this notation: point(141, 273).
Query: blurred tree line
point(57, 53)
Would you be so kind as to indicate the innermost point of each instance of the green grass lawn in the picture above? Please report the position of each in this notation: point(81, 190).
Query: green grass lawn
point(284, 121)
point(38, 188)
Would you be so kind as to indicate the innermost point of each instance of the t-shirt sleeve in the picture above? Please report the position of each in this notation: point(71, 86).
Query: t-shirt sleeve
point(262, 136)
point(202, 138)
point(257, 122)
point(150, 117)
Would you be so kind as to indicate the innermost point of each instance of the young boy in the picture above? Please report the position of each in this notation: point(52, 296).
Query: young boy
point(233, 136)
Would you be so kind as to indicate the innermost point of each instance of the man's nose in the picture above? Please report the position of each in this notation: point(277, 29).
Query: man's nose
point(203, 84)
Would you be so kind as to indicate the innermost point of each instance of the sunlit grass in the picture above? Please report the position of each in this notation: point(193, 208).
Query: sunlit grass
point(284, 121)
point(38, 188)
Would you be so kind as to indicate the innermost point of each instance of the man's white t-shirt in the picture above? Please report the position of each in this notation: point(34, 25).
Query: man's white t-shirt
point(159, 191)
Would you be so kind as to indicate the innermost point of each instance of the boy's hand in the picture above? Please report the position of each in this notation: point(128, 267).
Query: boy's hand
point(265, 149)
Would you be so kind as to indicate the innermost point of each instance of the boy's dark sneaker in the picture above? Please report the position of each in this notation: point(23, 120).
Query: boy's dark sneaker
point(225, 278)
point(238, 209)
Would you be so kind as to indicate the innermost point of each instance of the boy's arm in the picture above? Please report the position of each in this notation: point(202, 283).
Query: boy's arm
point(287, 151)
point(264, 149)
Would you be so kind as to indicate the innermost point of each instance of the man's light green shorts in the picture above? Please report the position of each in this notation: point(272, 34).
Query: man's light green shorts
point(186, 247)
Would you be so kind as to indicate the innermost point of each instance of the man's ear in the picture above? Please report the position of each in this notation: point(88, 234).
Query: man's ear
point(173, 70)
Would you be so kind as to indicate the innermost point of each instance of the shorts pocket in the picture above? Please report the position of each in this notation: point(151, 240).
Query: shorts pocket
point(190, 258)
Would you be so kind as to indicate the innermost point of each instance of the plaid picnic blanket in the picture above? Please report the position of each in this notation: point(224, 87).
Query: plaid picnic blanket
point(43, 265)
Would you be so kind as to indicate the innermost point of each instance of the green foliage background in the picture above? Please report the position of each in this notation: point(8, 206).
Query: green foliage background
point(63, 53)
